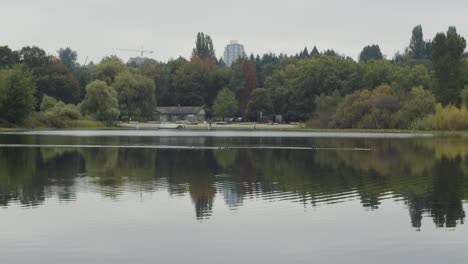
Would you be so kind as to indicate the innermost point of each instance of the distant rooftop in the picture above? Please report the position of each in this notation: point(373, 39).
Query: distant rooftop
point(179, 109)
point(234, 42)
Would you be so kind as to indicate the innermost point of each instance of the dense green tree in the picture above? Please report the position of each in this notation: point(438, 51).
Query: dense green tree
point(34, 57)
point(243, 81)
point(266, 65)
point(108, 69)
point(380, 72)
point(68, 57)
point(56, 80)
point(136, 95)
point(204, 47)
point(101, 102)
point(260, 104)
point(163, 75)
point(197, 82)
point(16, 94)
point(371, 52)
point(447, 58)
point(406, 78)
point(294, 88)
point(8, 57)
point(225, 104)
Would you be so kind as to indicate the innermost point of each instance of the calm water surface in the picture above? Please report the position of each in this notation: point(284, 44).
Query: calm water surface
point(232, 197)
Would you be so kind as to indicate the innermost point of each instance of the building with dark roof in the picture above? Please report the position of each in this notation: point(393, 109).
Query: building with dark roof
point(181, 113)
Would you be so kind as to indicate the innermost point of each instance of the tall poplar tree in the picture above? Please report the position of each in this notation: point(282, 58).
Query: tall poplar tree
point(447, 58)
point(417, 47)
point(204, 47)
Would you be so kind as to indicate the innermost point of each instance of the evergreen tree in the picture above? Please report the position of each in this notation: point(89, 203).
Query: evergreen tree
point(447, 58)
point(330, 52)
point(221, 63)
point(314, 52)
point(304, 54)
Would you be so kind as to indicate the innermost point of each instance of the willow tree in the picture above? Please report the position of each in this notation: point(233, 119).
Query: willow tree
point(101, 102)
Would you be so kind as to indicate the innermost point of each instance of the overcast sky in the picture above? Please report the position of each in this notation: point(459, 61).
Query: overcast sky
point(95, 27)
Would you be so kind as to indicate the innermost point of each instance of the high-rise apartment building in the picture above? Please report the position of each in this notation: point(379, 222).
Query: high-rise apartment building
point(233, 52)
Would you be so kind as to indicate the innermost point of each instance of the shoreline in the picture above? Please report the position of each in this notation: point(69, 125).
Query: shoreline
point(242, 128)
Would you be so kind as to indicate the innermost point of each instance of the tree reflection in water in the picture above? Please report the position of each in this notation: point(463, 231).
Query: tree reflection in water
point(428, 174)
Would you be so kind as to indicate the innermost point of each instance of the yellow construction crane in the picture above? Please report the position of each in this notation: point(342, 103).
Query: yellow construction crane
point(141, 51)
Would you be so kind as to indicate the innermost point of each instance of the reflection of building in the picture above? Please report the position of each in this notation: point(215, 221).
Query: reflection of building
point(233, 52)
point(180, 113)
point(232, 197)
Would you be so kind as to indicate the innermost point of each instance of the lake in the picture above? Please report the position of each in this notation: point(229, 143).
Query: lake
point(232, 197)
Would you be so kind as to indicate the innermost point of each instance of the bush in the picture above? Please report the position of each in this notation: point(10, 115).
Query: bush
point(382, 108)
point(55, 114)
point(325, 107)
point(85, 123)
point(418, 104)
point(45, 119)
point(350, 111)
point(47, 103)
point(365, 109)
point(448, 118)
point(68, 111)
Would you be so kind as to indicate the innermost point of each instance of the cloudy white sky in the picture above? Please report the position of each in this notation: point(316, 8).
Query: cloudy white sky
point(169, 27)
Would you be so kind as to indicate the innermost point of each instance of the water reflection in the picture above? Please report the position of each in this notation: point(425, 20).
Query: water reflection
point(429, 174)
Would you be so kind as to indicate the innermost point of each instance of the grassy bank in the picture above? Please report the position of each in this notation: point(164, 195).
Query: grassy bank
point(35, 124)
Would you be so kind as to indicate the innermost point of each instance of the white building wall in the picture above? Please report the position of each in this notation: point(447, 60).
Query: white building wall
point(233, 52)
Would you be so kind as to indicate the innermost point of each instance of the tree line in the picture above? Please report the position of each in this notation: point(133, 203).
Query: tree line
point(325, 88)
